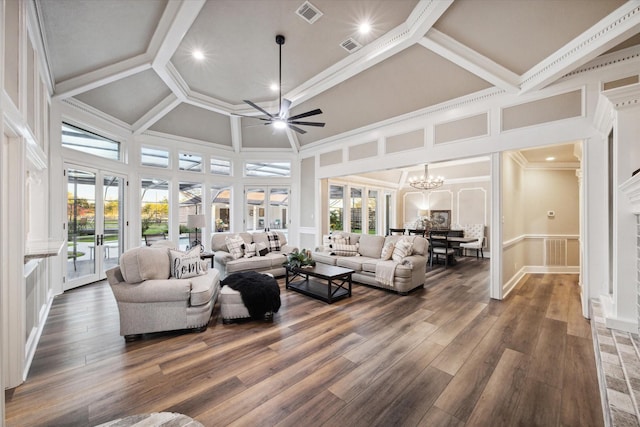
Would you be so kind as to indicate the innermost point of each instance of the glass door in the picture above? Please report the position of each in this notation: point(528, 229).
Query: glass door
point(94, 224)
point(266, 208)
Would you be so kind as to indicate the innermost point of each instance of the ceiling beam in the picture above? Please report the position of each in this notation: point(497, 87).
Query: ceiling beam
point(102, 76)
point(293, 140)
point(616, 27)
point(471, 60)
point(156, 113)
point(236, 133)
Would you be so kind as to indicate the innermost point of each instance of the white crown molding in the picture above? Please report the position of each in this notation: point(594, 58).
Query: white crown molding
point(617, 58)
point(608, 32)
point(161, 109)
point(109, 74)
point(517, 157)
point(624, 97)
point(631, 188)
point(470, 60)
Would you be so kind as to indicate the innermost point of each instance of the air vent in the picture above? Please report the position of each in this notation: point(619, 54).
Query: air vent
point(350, 45)
point(309, 12)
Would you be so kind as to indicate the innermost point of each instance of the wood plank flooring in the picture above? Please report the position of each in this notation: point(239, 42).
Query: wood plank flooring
point(446, 355)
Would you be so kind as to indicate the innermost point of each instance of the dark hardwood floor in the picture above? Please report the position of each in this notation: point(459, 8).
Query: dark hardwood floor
point(446, 355)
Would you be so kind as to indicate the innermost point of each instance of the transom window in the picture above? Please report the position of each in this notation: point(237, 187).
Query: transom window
point(190, 162)
point(220, 166)
point(275, 169)
point(89, 142)
point(154, 157)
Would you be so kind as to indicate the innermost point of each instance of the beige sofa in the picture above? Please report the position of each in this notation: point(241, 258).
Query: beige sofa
point(409, 272)
point(149, 300)
point(270, 263)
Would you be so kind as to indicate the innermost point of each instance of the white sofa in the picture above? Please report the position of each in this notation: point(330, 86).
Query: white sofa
point(269, 263)
point(150, 300)
point(410, 270)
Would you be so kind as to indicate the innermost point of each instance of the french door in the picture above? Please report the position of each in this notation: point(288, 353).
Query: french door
point(95, 223)
point(266, 208)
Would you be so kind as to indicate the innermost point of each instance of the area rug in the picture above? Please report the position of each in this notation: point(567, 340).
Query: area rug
point(156, 419)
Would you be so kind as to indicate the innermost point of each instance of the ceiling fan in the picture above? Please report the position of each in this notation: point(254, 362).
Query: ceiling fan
point(282, 120)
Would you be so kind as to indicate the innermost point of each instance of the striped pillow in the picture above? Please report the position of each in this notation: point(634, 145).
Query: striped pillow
point(345, 250)
point(387, 251)
point(402, 249)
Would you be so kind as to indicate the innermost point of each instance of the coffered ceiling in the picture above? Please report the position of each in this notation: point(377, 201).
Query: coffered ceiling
point(132, 60)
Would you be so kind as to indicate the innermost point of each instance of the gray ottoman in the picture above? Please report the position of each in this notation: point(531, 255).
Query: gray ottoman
point(232, 307)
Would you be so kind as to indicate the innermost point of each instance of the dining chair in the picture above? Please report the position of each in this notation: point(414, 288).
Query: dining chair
point(477, 231)
point(439, 246)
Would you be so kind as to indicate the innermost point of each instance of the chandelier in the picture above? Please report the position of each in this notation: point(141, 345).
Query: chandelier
point(426, 181)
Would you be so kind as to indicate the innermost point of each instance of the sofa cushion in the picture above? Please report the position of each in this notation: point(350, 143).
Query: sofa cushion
point(353, 262)
point(243, 264)
point(144, 263)
point(324, 258)
point(218, 242)
point(185, 264)
point(371, 246)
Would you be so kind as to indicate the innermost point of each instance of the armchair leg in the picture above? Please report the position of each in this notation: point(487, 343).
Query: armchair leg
point(132, 337)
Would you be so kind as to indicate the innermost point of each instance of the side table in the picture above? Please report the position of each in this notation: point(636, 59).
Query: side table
point(207, 255)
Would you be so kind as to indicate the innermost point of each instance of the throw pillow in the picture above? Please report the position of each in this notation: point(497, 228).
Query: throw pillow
point(234, 245)
point(185, 264)
point(345, 250)
point(387, 251)
point(339, 239)
point(249, 250)
point(274, 241)
point(402, 249)
point(261, 249)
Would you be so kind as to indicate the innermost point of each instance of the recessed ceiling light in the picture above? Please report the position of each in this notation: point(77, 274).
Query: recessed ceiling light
point(550, 159)
point(198, 54)
point(274, 87)
point(364, 28)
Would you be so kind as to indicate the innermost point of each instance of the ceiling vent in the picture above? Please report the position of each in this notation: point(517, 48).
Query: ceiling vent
point(309, 12)
point(350, 45)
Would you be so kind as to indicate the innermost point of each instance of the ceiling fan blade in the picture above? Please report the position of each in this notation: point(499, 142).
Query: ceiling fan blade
point(295, 122)
point(253, 117)
point(307, 114)
point(297, 129)
point(284, 108)
point(263, 111)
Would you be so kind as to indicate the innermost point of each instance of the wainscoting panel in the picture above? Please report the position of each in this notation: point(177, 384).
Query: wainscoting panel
point(555, 251)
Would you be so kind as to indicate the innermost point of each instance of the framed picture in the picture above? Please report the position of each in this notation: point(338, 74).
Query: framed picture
point(441, 219)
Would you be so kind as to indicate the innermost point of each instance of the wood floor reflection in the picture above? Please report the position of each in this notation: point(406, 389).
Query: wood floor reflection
point(444, 355)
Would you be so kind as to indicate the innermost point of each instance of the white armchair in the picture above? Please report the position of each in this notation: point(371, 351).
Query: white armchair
point(477, 231)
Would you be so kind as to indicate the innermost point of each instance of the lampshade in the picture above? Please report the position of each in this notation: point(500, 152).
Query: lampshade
point(422, 212)
point(195, 221)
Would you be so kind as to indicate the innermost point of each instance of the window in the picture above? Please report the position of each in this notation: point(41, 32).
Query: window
point(221, 208)
point(356, 210)
point(372, 211)
point(154, 157)
point(190, 162)
point(220, 166)
point(275, 169)
point(154, 206)
point(336, 207)
point(190, 200)
point(90, 143)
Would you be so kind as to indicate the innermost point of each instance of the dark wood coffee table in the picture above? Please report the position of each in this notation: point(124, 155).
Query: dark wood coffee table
point(324, 282)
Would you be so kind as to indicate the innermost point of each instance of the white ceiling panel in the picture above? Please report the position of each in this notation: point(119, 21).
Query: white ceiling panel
point(197, 123)
point(84, 35)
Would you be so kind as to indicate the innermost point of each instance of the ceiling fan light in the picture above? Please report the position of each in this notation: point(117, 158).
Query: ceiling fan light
point(279, 124)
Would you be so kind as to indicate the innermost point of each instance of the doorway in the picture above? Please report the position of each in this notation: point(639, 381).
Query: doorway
point(266, 208)
point(95, 223)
